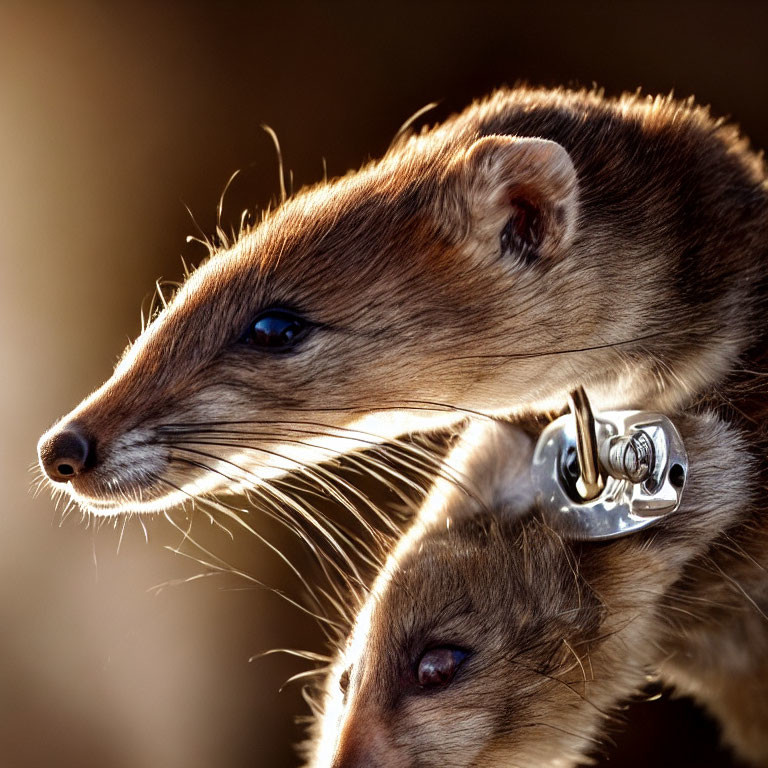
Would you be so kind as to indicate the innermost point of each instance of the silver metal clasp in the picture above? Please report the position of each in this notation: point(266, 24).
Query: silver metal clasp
point(598, 476)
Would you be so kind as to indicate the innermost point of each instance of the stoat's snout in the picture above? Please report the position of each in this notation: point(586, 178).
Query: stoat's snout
point(108, 475)
point(67, 453)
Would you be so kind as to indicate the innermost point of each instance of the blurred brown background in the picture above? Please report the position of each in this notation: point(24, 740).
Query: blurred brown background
point(113, 114)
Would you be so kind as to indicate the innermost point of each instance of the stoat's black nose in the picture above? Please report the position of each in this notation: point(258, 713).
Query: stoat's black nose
point(66, 453)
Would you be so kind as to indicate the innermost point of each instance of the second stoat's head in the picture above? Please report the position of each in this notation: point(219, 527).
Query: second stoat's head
point(489, 640)
point(471, 651)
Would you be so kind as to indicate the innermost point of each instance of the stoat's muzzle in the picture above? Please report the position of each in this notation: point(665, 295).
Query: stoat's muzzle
point(107, 475)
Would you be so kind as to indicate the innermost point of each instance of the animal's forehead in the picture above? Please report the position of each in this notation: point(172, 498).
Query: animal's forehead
point(333, 250)
point(432, 590)
point(301, 246)
point(478, 573)
point(352, 225)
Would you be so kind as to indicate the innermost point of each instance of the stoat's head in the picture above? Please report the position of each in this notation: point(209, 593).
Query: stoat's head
point(471, 651)
point(455, 274)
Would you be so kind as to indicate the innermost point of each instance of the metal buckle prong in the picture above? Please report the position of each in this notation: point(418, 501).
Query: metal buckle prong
point(589, 483)
point(606, 474)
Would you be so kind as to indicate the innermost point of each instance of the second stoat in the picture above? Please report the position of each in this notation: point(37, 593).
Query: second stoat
point(489, 640)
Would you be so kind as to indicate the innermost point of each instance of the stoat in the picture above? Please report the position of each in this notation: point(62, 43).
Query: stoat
point(539, 240)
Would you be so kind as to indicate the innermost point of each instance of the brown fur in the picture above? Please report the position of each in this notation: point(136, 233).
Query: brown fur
point(560, 632)
point(644, 284)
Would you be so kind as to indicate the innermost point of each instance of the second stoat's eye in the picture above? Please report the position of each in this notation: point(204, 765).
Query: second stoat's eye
point(276, 330)
point(437, 666)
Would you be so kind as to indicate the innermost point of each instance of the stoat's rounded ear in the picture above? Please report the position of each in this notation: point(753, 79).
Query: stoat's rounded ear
point(522, 191)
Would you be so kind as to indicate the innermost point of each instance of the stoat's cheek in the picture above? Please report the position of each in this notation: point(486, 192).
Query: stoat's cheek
point(535, 752)
point(444, 736)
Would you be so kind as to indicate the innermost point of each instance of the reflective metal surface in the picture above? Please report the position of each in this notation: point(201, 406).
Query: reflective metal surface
point(631, 444)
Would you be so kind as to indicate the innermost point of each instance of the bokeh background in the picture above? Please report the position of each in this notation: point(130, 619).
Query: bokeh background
point(113, 116)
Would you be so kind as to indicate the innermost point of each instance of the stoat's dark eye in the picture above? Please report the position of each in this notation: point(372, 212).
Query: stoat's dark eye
point(437, 666)
point(276, 330)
